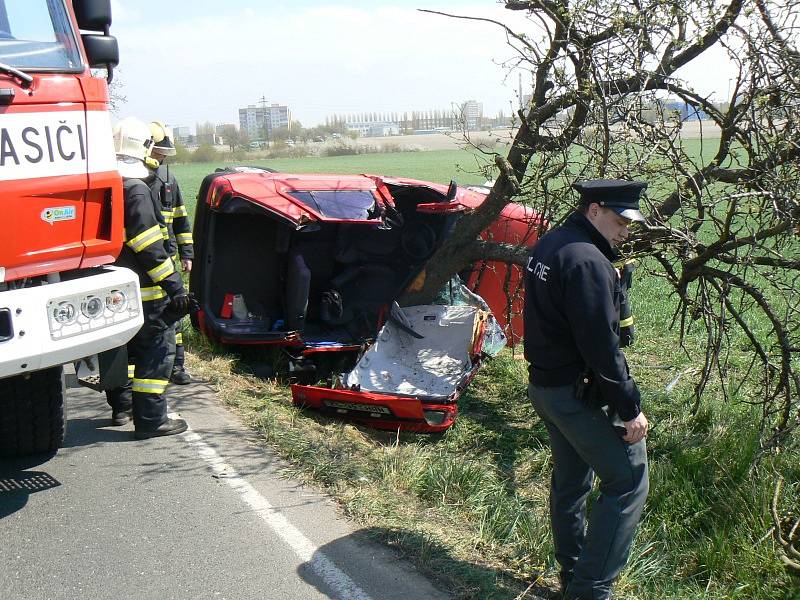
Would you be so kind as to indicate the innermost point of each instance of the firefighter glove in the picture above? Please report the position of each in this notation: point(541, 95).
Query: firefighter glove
point(180, 306)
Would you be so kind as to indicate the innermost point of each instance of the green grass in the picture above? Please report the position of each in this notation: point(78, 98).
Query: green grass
point(470, 506)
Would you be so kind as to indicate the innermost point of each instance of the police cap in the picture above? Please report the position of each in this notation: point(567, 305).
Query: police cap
point(619, 195)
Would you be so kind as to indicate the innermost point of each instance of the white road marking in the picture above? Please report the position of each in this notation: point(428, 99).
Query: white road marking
point(320, 564)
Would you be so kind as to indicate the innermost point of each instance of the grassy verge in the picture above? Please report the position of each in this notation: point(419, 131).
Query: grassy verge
point(470, 506)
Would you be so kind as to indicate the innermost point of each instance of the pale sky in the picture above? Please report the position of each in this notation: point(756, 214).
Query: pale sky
point(186, 61)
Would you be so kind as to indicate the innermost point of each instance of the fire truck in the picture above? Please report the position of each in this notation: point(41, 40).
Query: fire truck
point(61, 217)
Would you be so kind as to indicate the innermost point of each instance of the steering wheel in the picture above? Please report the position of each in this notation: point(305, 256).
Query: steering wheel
point(418, 240)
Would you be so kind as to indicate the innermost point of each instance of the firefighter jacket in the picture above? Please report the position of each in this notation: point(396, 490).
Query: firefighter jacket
point(145, 248)
point(572, 315)
point(165, 187)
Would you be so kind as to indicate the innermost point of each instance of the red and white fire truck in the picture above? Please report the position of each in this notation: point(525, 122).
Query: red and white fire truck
point(61, 217)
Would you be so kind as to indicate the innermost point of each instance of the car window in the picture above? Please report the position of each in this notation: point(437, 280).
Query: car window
point(37, 34)
point(340, 204)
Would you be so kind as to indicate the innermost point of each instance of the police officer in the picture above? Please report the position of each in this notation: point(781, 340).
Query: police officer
point(152, 349)
point(176, 218)
point(580, 386)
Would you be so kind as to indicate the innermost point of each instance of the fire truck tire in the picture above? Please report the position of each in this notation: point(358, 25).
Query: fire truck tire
point(32, 413)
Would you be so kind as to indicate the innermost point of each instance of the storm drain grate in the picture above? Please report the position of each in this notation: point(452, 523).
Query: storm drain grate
point(28, 483)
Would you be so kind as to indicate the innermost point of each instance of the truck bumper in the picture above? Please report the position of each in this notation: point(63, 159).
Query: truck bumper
point(34, 341)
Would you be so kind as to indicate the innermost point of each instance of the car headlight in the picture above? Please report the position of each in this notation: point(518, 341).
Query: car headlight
point(92, 307)
point(116, 301)
point(65, 313)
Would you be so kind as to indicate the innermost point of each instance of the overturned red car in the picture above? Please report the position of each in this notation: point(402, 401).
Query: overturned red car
point(315, 263)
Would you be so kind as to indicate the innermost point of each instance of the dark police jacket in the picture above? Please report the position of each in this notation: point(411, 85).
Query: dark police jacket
point(173, 210)
point(572, 303)
point(145, 248)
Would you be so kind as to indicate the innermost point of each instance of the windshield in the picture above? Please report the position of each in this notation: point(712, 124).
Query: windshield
point(340, 204)
point(37, 34)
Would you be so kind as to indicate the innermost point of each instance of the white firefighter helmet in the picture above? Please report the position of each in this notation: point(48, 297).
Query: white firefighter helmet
point(162, 138)
point(132, 143)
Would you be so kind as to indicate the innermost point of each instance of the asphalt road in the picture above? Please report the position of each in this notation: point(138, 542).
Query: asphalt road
point(205, 514)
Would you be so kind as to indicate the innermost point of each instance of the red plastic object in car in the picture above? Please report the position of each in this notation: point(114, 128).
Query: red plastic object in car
point(226, 312)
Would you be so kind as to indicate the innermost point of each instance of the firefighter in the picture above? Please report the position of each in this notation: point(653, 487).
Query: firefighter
point(164, 298)
point(580, 386)
point(627, 329)
point(176, 218)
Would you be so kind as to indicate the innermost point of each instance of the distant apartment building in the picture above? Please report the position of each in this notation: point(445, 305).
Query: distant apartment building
point(181, 133)
point(255, 120)
point(472, 114)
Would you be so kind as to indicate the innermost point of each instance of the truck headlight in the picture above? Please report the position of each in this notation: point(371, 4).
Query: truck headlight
point(116, 301)
point(92, 307)
point(65, 313)
point(82, 313)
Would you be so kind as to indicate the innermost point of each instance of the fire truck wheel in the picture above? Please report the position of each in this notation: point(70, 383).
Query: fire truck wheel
point(32, 413)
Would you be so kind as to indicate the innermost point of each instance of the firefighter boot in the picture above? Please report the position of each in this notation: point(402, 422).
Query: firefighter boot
point(180, 377)
point(168, 427)
point(118, 419)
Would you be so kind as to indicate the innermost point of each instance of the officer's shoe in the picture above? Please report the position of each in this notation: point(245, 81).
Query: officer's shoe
point(168, 427)
point(118, 419)
point(180, 377)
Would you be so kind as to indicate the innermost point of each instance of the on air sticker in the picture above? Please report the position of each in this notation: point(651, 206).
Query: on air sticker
point(59, 213)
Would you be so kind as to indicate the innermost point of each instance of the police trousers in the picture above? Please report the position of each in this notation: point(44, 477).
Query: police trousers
point(584, 444)
point(151, 352)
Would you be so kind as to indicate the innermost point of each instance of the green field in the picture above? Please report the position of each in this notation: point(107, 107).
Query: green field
point(470, 506)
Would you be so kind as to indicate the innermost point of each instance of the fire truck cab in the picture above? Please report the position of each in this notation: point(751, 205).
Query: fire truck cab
point(61, 217)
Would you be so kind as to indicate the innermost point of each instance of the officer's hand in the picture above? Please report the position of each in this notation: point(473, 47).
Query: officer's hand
point(186, 265)
point(636, 429)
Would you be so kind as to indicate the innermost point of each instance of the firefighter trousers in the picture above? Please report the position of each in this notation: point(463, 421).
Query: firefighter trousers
point(584, 444)
point(151, 352)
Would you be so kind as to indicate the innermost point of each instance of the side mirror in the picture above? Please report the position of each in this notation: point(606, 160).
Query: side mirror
point(94, 15)
point(101, 50)
point(452, 189)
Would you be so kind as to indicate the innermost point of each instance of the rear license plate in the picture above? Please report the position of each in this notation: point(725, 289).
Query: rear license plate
point(368, 408)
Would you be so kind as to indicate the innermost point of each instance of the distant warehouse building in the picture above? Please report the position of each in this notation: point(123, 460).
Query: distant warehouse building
point(371, 129)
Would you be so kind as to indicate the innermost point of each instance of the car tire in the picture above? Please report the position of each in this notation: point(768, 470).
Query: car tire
point(32, 419)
